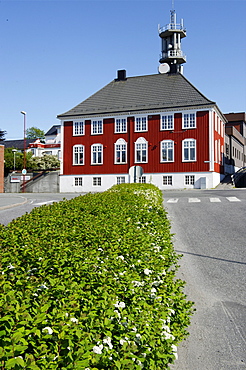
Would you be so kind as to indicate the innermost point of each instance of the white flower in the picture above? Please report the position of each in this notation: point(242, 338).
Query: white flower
point(10, 266)
point(48, 329)
point(43, 286)
point(73, 319)
point(168, 335)
point(120, 257)
point(147, 271)
point(153, 290)
point(107, 341)
point(122, 341)
point(98, 349)
point(120, 305)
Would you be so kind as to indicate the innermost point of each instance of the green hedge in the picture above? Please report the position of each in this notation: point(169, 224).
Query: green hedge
point(90, 283)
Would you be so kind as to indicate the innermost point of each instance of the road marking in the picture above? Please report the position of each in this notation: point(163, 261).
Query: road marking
point(43, 203)
point(233, 199)
point(215, 200)
point(194, 200)
point(172, 200)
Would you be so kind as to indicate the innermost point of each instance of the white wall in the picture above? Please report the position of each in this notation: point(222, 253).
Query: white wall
point(67, 181)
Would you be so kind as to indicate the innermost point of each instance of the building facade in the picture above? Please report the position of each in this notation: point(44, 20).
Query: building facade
point(159, 122)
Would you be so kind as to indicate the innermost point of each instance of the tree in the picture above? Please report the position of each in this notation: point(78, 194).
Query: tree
point(35, 133)
point(16, 160)
point(46, 162)
point(2, 134)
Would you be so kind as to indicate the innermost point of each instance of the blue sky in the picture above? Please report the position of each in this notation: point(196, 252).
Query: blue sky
point(54, 54)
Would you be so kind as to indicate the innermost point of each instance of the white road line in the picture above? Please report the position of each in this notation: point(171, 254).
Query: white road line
point(43, 203)
point(194, 200)
point(172, 200)
point(233, 199)
point(215, 200)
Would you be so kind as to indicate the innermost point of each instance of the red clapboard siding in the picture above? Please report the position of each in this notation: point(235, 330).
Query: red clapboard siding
point(154, 136)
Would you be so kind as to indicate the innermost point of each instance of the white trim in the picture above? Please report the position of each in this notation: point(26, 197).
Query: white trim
point(166, 115)
point(188, 140)
point(121, 119)
point(83, 154)
point(140, 141)
point(96, 119)
point(96, 163)
point(141, 117)
point(83, 127)
point(189, 113)
point(120, 141)
point(166, 141)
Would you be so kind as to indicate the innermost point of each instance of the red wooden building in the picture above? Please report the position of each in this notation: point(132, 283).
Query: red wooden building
point(160, 122)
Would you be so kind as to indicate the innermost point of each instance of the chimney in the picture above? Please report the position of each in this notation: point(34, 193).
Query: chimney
point(121, 75)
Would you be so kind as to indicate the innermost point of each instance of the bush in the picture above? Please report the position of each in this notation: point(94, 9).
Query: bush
point(90, 283)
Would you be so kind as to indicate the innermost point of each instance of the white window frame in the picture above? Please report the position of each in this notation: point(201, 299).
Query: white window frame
point(77, 150)
point(169, 148)
point(167, 180)
point(97, 151)
point(78, 128)
point(97, 126)
point(188, 120)
point(167, 122)
point(97, 181)
point(190, 146)
point(142, 180)
point(120, 180)
point(120, 146)
point(141, 145)
point(141, 123)
point(120, 125)
point(78, 181)
point(189, 180)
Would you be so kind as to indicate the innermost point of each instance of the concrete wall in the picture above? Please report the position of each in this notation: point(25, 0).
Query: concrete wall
point(1, 168)
point(48, 183)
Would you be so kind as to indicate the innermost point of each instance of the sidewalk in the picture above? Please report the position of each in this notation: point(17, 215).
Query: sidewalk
point(8, 200)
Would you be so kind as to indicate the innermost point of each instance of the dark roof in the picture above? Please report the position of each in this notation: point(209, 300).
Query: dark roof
point(52, 130)
point(142, 93)
point(17, 144)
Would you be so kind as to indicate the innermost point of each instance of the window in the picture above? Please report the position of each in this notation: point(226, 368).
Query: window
point(78, 154)
point(96, 181)
point(120, 125)
point(141, 146)
point(78, 128)
point(78, 181)
point(120, 151)
point(189, 120)
point(96, 154)
point(167, 151)
point(167, 122)
point(120, 180)
point(140, 124)
point(142, 180)
point(189, 150)
point(189, 179)
point(167, 180)
point(97, 127)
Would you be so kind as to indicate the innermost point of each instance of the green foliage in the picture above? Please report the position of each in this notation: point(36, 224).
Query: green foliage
point(90, 284)
point(19, 160)
point(2, 134)
point(47, 161)
point(35, 133)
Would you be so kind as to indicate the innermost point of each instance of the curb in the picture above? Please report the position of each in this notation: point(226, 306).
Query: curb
point(14, 205)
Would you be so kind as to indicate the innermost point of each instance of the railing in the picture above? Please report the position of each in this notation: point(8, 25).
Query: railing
point(172, 26)
point(173, 54)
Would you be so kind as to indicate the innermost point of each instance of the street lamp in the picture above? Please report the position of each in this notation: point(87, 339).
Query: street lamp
point(14, 151)
point(24, 162)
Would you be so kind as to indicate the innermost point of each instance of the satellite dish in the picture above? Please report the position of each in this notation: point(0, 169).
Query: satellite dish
point(164, 68)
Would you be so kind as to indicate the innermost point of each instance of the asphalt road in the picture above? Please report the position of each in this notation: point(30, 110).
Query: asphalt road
point(209, 229)
point(13, 205)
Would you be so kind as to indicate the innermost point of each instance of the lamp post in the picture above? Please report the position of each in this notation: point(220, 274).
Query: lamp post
point(24, 162)
point(14, 151)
